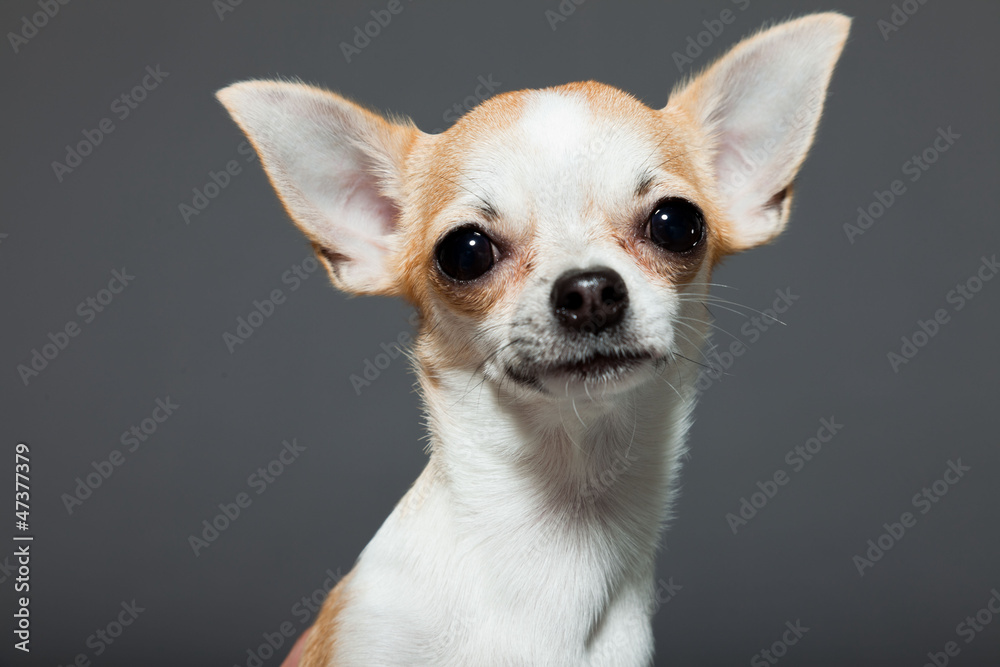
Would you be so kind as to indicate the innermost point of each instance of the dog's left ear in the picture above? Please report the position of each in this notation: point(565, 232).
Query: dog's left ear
point(759, 106)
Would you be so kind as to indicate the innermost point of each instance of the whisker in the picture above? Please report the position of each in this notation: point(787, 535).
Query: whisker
point(711, 346)
point(711, 285)
point(696, 363)
point(709, 324)
point(572, 400)
point(716, 301)
point(562, 422)
point(635, 425)
point(670, 385)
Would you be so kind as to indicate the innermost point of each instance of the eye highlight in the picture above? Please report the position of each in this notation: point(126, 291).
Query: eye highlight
point(465, 254)
point(676, 225)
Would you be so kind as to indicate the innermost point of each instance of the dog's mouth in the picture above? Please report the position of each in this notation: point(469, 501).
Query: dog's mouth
point(601, 368)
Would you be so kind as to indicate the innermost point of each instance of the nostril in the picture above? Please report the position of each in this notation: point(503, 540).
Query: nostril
point(573, 301)
point(611, 294)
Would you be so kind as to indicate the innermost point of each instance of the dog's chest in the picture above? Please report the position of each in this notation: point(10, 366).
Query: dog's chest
point(541, 590)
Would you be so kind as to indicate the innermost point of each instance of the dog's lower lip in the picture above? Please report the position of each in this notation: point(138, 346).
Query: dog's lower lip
point(599, 364)
point(594, 368)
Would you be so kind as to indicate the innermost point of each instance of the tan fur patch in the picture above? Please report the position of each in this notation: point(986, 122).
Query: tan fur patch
point(322, 642)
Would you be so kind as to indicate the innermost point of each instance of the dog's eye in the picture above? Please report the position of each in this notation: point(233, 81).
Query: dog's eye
point(676, 225)
point(465, 254)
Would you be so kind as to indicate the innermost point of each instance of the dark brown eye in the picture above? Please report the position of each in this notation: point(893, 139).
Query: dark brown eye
point(676, 225)
point(465, 254)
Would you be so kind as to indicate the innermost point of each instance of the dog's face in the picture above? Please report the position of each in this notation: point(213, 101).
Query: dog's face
point(556, 237)
point(560, 240)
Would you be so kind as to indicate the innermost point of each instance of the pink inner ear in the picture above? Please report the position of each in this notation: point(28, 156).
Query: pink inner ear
point(742, 161)
point(361, 189)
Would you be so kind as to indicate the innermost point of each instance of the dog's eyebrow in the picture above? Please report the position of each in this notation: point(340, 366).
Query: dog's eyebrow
point(645, 183)
point(487, 209)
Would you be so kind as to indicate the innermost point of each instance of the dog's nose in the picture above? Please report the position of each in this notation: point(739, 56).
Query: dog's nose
point(589, 300)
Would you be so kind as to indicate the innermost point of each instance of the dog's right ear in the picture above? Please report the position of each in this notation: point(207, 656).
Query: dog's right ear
point(760, 105)
point(337, 167)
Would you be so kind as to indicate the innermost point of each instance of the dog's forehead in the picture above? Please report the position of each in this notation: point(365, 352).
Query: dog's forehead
point(545, 153)
point(555, 124)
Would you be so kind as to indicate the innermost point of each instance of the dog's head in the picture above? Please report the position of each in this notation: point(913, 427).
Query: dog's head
point(558, 240)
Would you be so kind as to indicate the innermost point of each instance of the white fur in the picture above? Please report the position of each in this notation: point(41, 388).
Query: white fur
point(530, 537)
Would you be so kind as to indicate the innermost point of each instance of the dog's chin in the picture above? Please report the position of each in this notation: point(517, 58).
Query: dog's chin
point(597, 375)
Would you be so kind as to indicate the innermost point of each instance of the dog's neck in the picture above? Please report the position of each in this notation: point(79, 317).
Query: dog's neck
point(591, 471)
point(532, 532)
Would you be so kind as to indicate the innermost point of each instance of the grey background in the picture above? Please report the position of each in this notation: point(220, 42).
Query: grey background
point(163, 335)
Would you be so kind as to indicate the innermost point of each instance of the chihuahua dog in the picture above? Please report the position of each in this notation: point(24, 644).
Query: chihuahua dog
point(558, 246)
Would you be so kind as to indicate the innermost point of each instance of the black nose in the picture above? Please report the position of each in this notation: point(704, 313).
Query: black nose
point(589, 300)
